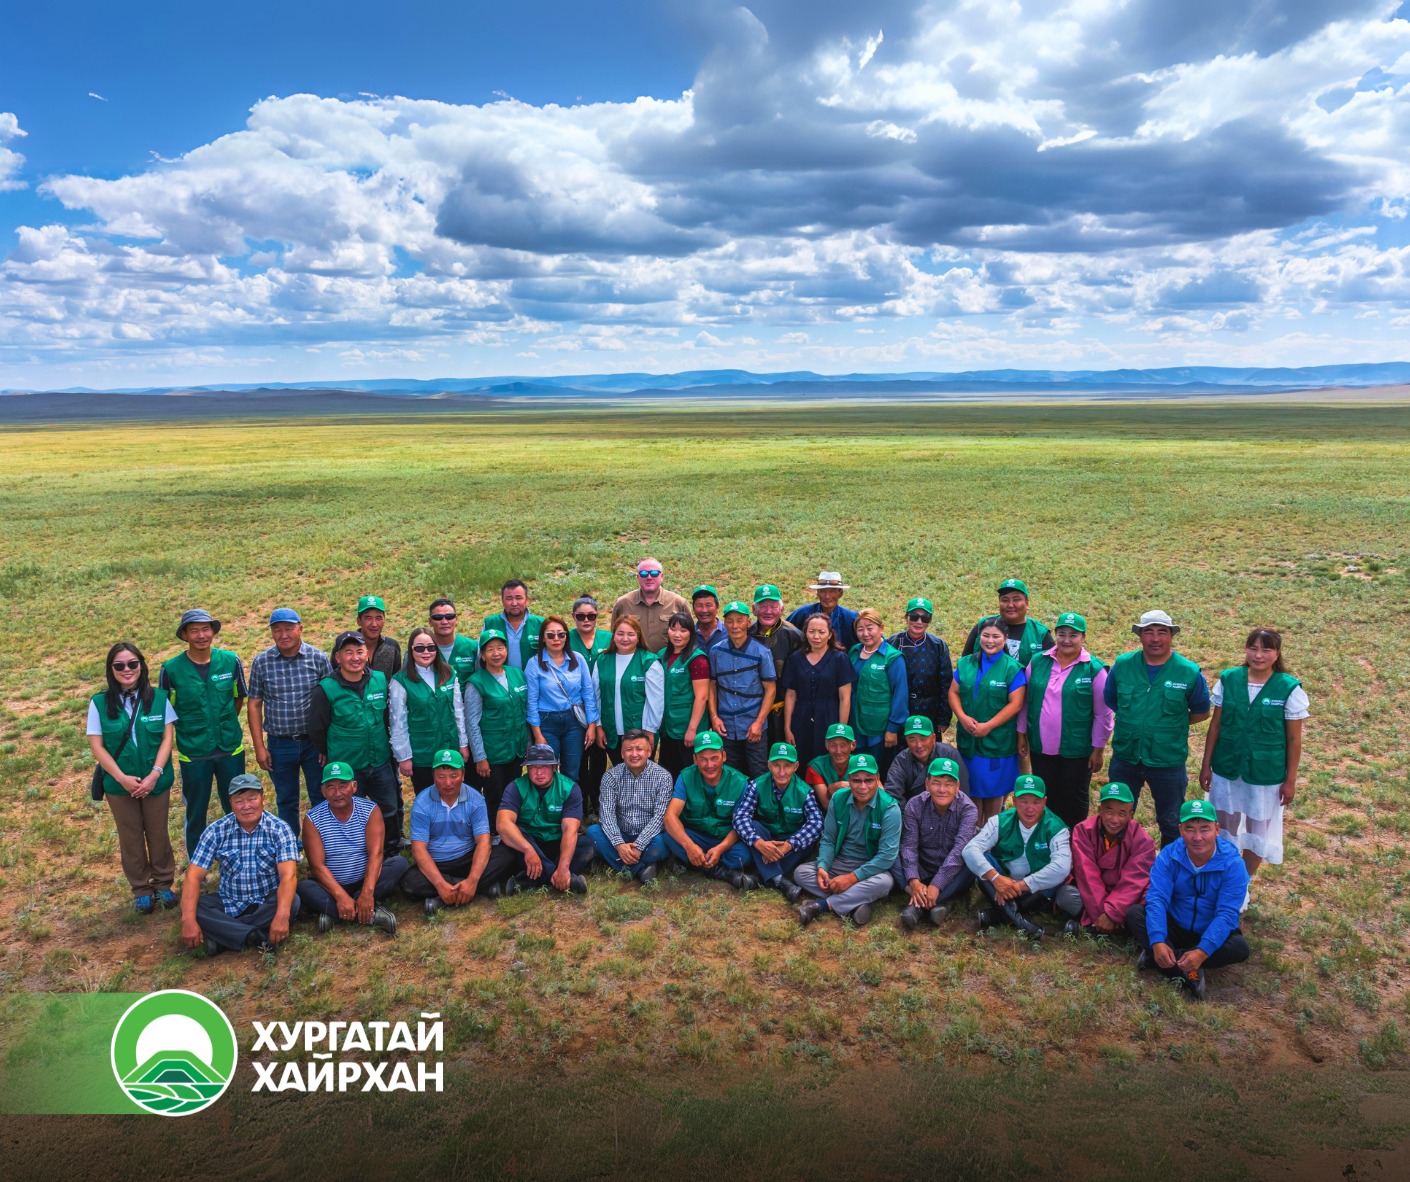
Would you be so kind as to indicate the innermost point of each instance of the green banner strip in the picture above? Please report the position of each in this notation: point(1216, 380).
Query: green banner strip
point(55, 1049)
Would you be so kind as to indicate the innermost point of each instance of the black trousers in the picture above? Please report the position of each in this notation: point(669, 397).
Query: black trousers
point(1234, 950)
point(415, 885)
point(506, 862)
point(674, 755)
point(1069, 782)
point(590, 773)
point(492, 787)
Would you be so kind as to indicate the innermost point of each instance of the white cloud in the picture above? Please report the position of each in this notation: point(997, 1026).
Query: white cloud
point(10, 161)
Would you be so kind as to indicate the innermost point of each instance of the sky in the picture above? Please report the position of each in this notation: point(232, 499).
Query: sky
point(307, 191)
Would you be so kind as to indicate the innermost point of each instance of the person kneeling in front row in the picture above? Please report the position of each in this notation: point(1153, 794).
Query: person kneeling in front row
point(1111, 862)
point(632, 810)
point(259, 860)
point(935, 827)
point(861, 840)
point(450, 838)
point(1190, 919)
point(539, 820)
point(1022, 859)
point(343, 838)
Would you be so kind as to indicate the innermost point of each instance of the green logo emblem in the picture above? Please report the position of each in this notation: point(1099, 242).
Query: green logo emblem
point(174, 1052)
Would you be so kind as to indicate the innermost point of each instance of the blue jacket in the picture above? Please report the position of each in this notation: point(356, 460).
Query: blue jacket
point(1204, 900)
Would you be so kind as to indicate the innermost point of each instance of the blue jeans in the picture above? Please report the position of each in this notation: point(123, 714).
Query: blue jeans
point(197, 776)
point(563, 733)
point(316, 899)
point(786, 865)
point(1167, 785)
point(655, 851)
point(288, 757)
point(734, 858)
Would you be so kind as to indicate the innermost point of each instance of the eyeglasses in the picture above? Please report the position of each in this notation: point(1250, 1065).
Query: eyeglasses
point(648, 574)
point(126, 666)
point(555, 636)
point(918, 617)
point(423, 648)
point(442, 615)
point(585, 616)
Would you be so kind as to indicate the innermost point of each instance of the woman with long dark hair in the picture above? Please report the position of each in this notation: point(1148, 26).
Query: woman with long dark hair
point(131, 729)
point(562, 703)
point(426, 712)
point(1253, 748)
point(816, 683)
point(686, 695)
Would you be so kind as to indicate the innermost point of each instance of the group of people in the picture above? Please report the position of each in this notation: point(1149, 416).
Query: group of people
point(804, 753)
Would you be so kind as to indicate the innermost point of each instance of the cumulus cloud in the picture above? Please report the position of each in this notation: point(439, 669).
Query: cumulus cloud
point(1130, 171)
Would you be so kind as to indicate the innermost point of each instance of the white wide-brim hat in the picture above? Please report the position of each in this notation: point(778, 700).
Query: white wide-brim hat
point(829, 580)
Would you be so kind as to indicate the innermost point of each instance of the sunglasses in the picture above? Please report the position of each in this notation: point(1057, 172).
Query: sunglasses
point(585, 616)
point(423, 648)
point(126, 666)
point(648, 574)
point(918, 617)
point(442, 615)
point(555, 636)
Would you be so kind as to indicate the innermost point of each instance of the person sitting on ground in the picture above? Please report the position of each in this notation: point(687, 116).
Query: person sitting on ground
point(700, 818)
point(1190, 919)
point(539, 821)
point(772, 807)
point(1022, 858)
point(257, 895)
point(827, 773)
point(1111, 862)
point(910, 769)
point(936, 826)
point(343, 840)
point(450, 838)
point(629, 834)
point(860, 843)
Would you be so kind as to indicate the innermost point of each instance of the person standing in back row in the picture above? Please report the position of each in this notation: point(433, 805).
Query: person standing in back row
point(1157, 696)
point(588, 642)
point(782, 640)
point(426, 713)
point(383, 653)
point(829, 588)
point(929, 669)
point(520, 627)
point(709, 630)
point(461, 653)
point(206, 688)
point(651, 605)
point(497, 716)
point(1024, 637)
point(742, 689)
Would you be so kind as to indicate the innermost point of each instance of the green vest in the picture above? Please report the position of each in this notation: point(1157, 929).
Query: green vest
point(1253, 736)
point(1078, 705)
point(1153, 717)
point(785, 815)
point(711, 810)
point(601, 642)
point(680, 693)
point(207, 720)
point(871, 701)
point(841, 803)
point(981, 702)
point(1038, 848)
point(139, 754)
point(633, 690)
point(357, 732)
point(1035, 640)
point(504, 725)
point(541, 811)
point(464, 657)
point(528, 639)
point(430, 716)
point(829, 774)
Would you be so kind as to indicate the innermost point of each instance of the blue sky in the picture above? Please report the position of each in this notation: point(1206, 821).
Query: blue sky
point(311, 190)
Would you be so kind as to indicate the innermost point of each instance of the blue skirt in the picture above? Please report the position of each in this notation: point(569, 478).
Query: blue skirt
point(989, 777)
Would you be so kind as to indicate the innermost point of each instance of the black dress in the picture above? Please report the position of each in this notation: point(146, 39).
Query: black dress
point(816, 707)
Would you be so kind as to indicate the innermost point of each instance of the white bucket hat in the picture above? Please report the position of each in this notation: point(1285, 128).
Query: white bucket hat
point(829, 580)
point(1155, 617)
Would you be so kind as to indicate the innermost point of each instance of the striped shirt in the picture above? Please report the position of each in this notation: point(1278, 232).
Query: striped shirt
point(633, 808)
point(285, 686)
point(249, 862)
point(344, 842)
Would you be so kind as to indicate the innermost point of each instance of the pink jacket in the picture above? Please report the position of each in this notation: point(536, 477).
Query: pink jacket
point(1111, 880)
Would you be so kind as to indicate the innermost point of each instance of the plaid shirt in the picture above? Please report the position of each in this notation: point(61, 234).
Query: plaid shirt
point(808, 832)
point(249, 862)
point(936, 839)
point(633, 808)
point(285, 686)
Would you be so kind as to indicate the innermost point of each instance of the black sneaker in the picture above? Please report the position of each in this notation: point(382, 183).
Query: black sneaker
point(512, 886)
point(791, 890)
point(1144, 961)
point(861, 916)
point(1194, 983)
point(743, 881)
point(938, 912)
point(1073, 927)
point(325, 923)
point(212, 948)
point(384, 921)
point(431, 906)
point(577, 884)
point(987, 917)
point(810, 910)
point(647, 874)
point(910, 917)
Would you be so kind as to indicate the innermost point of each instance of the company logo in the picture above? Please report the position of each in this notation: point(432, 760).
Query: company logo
point(174, 1052)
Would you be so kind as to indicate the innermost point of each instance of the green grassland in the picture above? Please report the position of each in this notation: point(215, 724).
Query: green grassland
point(1292, 515)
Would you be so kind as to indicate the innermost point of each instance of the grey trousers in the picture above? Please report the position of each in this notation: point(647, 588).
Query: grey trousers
point(869, 890)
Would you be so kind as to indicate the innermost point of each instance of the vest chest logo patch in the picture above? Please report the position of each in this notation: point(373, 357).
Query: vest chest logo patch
point(1040, 845)
point(373, 697)
point(221, 676)
point(636, 679)
point(998, 684)
point(1082, 681)
point(1275, 701)
point(1177, 685)
point(154, 718)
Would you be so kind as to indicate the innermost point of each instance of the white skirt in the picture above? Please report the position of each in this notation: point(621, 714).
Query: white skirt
point(1250, 815)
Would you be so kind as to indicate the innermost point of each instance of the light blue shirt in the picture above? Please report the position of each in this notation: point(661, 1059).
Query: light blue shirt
point(448, 830)
point(556, 687)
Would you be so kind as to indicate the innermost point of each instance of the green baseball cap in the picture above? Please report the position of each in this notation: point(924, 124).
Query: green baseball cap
point(703, 589)
point(766, 591)
point(861, 763)
point(447, 758)
point(1198, 810)
point(1116, 790)
point(370, 603)
point(840, 730)
point(1074, 621)
point(1013, 585)
point(1030, 786)
point(735, 605)
point(783, 751)
point(918, 724)
point(337, 771)
point(708, 741)
point(943, 766)
point(493, 634)
point(920, 603)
